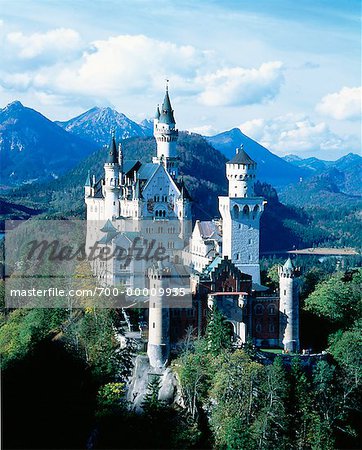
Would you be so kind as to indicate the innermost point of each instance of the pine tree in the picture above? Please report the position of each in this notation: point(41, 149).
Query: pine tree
point(151, 402)
point(217, 333)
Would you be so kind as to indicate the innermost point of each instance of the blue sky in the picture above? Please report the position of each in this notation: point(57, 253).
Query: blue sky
point(287, 73)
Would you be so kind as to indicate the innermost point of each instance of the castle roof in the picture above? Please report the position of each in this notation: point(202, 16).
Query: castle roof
point(88, 180)
point(184, 192)
point(288, 264)
point(241, 157)
point(209, 230)
point(157, 114)
point(166, 114)
point(112, 157)
point(146, 171)
point(107, 227)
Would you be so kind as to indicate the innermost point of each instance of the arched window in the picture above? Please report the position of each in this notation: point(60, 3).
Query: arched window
point(259, 309)
point(258, 328)
point(271, 310)
point(246, 211)
point(236, 211)
point(255, 211)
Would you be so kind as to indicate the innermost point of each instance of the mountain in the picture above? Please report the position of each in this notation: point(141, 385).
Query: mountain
point(32, 148)
point(328, 190)
point(202, 167)
point(271, 168)
point(343, 175)
point(203, 171)
point(147, 126)
point(312, 164)
point(96, 124)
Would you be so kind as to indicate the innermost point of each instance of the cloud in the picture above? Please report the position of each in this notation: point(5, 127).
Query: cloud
point(60, 40)
point(239, 86)
point(27, 52)
point(345, 104)
point(56, 63)
point(204, 130)
point(297, 134)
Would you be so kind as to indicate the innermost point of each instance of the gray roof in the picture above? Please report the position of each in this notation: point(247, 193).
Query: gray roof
point(98, 189)
point(130, 164)
point(107, 238)
point(166, 115)
point(288, 264)
point(112, 157)
point(146, 171)
point(209, 230)
point(108, 226)
point(88, 180)
point(241, 157)
point(157, 114)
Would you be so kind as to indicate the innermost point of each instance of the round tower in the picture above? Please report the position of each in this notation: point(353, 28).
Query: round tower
point(166, 134)
point(289, 307)
point(241, 173)
point(111, 181)
point(158, 347)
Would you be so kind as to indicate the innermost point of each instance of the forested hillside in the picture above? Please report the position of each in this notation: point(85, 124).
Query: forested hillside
point(203, 169)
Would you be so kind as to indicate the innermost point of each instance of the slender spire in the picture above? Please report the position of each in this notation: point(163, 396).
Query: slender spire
point(157, 114)
point(88, 182)
point(166, 114)
point(112, 150)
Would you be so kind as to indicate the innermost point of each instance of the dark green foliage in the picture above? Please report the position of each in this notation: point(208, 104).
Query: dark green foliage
point(151, 403)
point(23, 329)
point(272, 423)
point(338, 298)
point(300, 407)
point(218, 333)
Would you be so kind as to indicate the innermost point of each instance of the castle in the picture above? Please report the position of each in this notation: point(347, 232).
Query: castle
point(218, 260)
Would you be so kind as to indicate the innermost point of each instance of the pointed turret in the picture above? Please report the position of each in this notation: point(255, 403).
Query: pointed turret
point(241, 157)
point(88, 182)
point(166, 136)
point(112, 157)
point(288, 265)
point(111, 180)
point(88, 186)
point(157, 114)
point(166, 115)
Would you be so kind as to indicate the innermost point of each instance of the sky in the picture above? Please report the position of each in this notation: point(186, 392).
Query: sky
point(287, 73)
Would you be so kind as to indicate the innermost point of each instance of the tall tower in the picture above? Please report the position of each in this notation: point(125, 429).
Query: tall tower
point(166, 134)
point(111, 181)
point(241, 211)
point(158, 347)
point(289, 307)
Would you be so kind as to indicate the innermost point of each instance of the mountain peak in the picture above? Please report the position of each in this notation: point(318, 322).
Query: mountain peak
point(96, 123)
point(15, 105)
